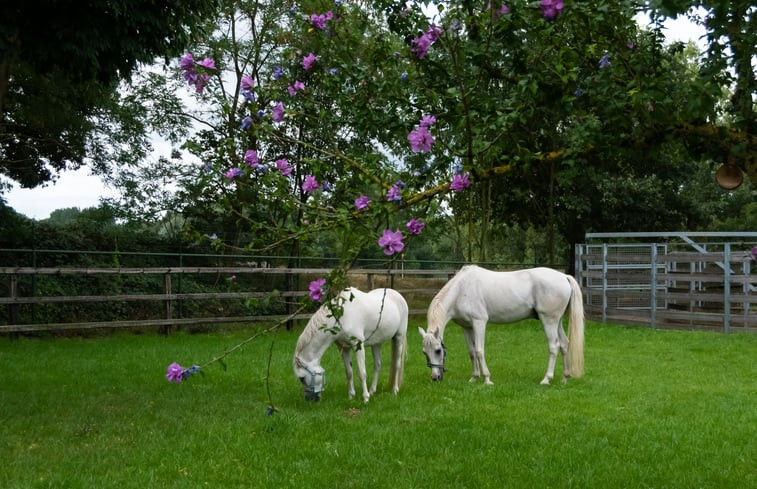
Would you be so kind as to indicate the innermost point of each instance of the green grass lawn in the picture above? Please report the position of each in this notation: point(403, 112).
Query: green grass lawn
point(655, 409)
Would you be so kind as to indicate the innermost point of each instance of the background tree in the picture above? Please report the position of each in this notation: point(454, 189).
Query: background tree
point(60, 65)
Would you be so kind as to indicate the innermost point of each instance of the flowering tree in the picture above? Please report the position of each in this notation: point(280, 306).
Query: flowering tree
point(359, 119)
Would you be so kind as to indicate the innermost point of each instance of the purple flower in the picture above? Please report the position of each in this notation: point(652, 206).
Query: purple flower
point(251, 158)
point(278, 72)
point(427, 121)
point(415, 226)
point(207, 63)
point(310, 184)
point(283, 166)
point(334, 71)
point(307, 61)
point(550, 8)
point(502, 11)
point(419, 46)
point(248, 95)
point(604, 62)
point(394, 194)
point(187, 63)
point(420, 140)
point(233, 173)
point(460, 182)
point(246, 123)
point(316, 289)
point(391, 241)
point(362, 202)
point(297, 87)
point(278, 112)
point(175, 372)
point(233, 278)
point(247, 82)
point(319, 21)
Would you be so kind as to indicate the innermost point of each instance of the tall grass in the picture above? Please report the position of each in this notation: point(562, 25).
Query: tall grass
point(655, 409)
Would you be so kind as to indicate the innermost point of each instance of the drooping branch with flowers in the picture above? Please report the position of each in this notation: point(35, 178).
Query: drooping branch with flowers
point(353, 117)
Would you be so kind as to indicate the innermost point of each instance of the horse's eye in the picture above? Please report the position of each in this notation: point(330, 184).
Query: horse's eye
point(438, 351)
point(302, 379)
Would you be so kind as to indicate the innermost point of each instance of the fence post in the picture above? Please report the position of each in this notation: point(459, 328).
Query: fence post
point(727, 287)
point(167, 302)
point(13, 308)
point(604, 282)
point(653, 286)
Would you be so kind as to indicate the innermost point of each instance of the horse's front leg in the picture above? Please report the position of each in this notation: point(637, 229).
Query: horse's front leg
point(360, 357)
point(346, 356)
point(479, 331)
point(470, 340)
point(376, 367)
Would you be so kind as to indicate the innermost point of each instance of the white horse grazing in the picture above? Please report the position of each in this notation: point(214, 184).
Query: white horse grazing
point(368, 319)
point(475, 296)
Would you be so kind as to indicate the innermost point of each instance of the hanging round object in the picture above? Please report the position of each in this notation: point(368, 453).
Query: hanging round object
point(729, 176)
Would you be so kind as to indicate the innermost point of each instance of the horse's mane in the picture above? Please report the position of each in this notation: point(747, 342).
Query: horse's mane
point(437, 312)
point(318, 319)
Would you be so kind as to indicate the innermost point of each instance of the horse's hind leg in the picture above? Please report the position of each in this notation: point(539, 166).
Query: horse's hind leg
point(563, 338)
point(376, 367)
point(347, 357)
point(553, 343)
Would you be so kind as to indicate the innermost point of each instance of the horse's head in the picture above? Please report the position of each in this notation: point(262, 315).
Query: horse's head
point(312, 378)
point(436, 353)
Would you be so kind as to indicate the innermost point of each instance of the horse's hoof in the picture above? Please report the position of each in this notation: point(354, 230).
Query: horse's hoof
point(546, 380)
point(488, 382)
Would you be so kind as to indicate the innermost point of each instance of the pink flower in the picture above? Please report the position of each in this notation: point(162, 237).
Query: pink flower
point(502, 11)
point(310, 184)
point(283, 165)
point(391, 241)
point(550, 8)
point(247, 82)
point(187, 62)
point(233, 173)
point(415, 226)
point(420, 140)
point(394, 194)
point(307, 61)
point(319, 21)
point(362, 202)
point(316, 289)
point(251, 157)
point(278, 112)
point(427, 121)
point(174, 373)
point(297, 87)
point(207, 63)
point(460, 182)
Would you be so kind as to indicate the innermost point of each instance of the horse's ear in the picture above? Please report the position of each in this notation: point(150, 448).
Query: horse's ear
point(421, 331)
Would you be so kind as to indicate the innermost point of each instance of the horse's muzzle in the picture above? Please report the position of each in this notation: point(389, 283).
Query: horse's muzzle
point(312, 396)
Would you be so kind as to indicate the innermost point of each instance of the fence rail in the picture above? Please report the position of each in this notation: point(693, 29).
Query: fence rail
point(365, 278)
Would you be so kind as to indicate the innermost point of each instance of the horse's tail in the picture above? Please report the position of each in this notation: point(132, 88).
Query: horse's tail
point(396, 374)
point(576, 330)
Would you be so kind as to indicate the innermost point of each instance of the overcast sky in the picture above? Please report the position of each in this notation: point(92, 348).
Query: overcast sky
point(82, 190)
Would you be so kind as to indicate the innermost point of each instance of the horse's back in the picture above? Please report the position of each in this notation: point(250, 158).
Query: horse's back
point(374, 316)
point(511, 295)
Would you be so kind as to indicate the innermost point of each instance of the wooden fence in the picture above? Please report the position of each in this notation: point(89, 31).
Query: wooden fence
point(418, 286)
point(670, 284)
